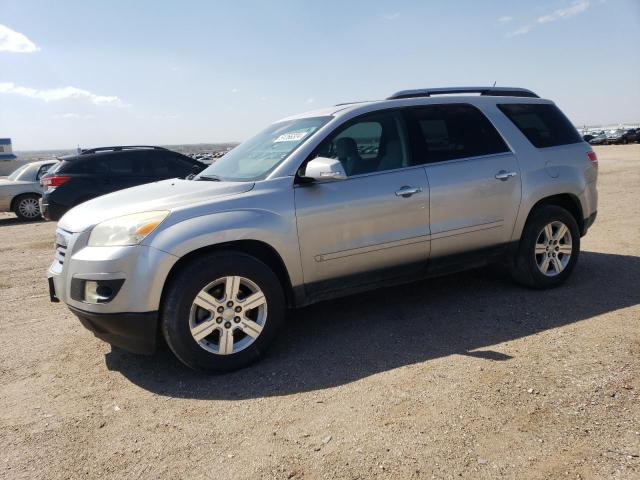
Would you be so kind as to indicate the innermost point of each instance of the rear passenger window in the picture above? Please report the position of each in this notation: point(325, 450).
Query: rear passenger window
point(124, 165)
point(166, 166)
point(86, 166)
point(448, 132)
point(544, 125)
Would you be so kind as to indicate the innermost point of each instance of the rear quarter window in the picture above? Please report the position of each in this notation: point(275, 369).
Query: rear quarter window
point(544, 125)
point(96, 166)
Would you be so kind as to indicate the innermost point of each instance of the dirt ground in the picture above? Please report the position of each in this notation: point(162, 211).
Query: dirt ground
point(464, 376)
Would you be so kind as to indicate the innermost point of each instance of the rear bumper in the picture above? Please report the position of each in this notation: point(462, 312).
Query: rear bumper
point(52, 210)
point(134, 332)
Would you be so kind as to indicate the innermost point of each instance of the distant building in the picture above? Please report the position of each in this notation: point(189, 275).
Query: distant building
point(6, 152)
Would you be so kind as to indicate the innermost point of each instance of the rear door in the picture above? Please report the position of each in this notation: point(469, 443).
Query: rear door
point(372, 226)
point(474, 180)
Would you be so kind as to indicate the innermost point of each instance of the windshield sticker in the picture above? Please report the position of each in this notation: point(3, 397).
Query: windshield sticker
point(294, 136)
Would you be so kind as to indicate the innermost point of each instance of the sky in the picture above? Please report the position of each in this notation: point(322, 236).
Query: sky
point(94, 73)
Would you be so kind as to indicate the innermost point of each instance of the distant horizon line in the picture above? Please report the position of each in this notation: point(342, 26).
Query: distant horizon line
point(580, 126)
point(44, 150)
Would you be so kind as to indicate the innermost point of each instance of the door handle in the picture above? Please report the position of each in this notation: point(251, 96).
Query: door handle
point(504, 175)
point(407, 191)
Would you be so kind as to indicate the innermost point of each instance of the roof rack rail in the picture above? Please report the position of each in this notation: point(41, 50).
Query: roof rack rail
point(488, 91)
point(351, 103)
point(118, 148)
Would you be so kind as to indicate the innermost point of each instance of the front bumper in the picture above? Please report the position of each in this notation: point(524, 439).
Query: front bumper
point(134, 332)
point(129, 318)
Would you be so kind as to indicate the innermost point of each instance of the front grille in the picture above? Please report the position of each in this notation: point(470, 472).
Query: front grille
point(61, 246)
point(61, 251)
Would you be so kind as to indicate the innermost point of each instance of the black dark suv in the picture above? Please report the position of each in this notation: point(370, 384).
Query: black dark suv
point(97, 171)
point(632, 135)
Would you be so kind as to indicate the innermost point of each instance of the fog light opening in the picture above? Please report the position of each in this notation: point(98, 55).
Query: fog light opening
point(96, 293)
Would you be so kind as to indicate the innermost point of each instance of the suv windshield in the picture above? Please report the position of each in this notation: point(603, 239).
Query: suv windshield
point(256, 157)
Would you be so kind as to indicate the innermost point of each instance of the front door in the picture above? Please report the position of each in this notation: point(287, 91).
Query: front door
point(372, 226)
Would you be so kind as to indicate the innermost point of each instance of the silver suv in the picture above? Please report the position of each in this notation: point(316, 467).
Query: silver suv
point(325, 204)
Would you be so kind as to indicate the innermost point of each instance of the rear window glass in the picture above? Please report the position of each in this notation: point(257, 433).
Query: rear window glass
point(86, 166)
point(452, 131)
point(121, 166)
point(544, 125)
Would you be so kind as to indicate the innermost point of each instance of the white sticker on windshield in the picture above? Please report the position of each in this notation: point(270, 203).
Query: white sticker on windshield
point(294, 136)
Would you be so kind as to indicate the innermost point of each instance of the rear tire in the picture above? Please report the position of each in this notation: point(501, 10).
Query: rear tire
point(27, 207)
point(221, 311)
point(548, 249)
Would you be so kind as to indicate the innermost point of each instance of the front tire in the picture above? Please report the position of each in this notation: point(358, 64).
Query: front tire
point(548, 249)
point(27, 207)
point(221, 311)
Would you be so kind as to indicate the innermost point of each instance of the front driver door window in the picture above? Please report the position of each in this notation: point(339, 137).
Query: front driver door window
point(373, 144)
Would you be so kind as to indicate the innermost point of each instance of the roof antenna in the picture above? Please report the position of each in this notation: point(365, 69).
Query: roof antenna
point(494, 83)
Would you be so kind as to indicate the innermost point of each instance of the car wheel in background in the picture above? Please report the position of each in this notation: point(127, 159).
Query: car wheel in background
point(221, 311)
point(27, 207)
point(548, 249)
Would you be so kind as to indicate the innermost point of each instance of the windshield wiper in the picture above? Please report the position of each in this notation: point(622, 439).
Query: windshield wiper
point(210, 178)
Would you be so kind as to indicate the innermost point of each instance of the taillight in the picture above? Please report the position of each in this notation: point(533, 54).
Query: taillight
point(52, 182)
point(591, 155)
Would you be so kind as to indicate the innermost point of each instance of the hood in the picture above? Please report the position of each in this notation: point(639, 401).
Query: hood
point(165, 195)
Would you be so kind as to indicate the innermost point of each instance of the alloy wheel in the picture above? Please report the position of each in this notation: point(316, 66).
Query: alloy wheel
point(553, 248)
point(228, 315)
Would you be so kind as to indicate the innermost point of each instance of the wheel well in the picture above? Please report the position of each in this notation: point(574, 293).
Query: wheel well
point(18, 197)
point(260, 250)
point(568, 202)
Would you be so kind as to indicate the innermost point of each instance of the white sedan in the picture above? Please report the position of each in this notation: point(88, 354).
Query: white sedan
point(21, 191)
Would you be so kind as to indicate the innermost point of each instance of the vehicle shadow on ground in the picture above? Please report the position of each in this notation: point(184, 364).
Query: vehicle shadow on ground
point(5, 221)
point(341, 341)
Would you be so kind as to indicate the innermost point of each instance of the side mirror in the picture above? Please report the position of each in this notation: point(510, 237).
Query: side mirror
point(196, 169)
point(325, 169)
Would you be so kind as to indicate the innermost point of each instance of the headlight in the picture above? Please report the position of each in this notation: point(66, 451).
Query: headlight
point(126, 230)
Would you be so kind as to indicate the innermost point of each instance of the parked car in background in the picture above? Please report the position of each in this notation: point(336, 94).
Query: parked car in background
point(20, 192)
point(324, 204)
point(630, 136)
point(599, 138)
point(98, 171)
point(614, 136)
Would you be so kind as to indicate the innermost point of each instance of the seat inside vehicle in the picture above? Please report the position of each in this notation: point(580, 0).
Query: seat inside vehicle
point(392, 157)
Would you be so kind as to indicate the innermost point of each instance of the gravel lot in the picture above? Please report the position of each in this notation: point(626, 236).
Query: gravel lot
point(464, 376)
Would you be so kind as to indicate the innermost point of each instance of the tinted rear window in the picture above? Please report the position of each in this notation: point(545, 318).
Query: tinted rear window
point(86, 166)
point(452, 131)
point(543, 124)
